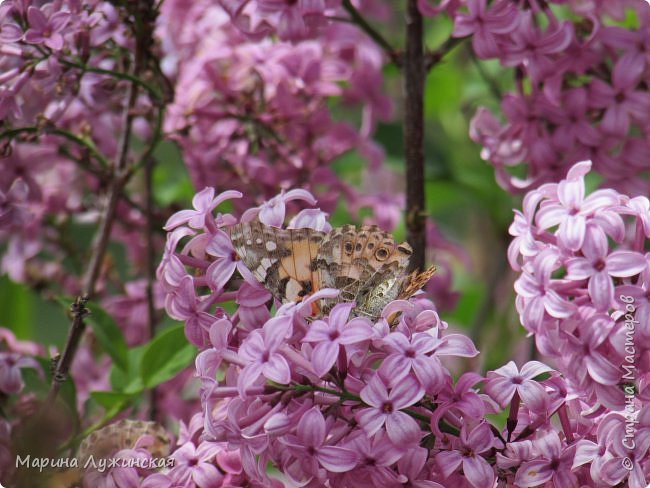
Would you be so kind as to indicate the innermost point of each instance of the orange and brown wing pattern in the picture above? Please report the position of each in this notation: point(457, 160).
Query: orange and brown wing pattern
point(365, 264)
point(280, 259)
point(357, 262)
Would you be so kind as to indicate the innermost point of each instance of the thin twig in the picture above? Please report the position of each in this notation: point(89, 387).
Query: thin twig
point(60, 373)
point(85, 143)
point(414, 134)
point(432, 58)
point(491, 83)
point(358, 19)
point(121, 173)
point(155, 93)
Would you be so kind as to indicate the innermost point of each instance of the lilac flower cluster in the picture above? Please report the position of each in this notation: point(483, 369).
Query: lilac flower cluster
point(293, 21)
point(583, 294)
point(256, 112)
point(15, 355)
point(61, 107)
point(52, 94)
point(581, 89)
point(193, 462)
point(584, 272)
point(345, 401)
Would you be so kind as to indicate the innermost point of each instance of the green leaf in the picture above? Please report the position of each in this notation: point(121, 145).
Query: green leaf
point(17, 305)
point(130, 379)
point(165, 356)
point(112, 400)
point(170, 177)
point(108, 334)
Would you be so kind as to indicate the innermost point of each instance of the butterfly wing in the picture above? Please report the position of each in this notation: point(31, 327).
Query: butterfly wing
point(280, 259)
point(364, 264)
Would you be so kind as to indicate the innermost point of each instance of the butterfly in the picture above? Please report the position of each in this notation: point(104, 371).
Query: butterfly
point(365, 264)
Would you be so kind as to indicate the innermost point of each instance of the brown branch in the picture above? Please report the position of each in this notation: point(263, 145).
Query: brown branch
point(120, 175)
point(358, 19)
point(432, 58)
point(60, 371)
point(414, 73)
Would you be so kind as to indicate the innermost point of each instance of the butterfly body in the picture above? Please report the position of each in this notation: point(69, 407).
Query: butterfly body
point(365, 264)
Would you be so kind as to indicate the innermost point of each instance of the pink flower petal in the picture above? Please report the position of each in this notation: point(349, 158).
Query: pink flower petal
point(375, 392)
point(571, 192)
point(337, 459)
point(324, 357)
point(448, 462)
point(277, 369)
point(406, 393)
point(627, 73)
point(572, 231)
point(478, 472)
point(625, 263)
point(369, 420)
point(601, 370)
point(556, 306)
point(456, 345)
point(311, 428)
point(550, 216)
point(601, 290)
point(533, 473)
point(501, 390)
point(534, 368)
point(579, 269)
point(402, 429)
point(36, 19)
point(533, 395)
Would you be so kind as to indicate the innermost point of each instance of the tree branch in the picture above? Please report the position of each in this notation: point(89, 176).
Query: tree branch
point(85, 143)
point(358, 19)
point(121, 172)
point(414, 73)
point(432, 58)
point(59, 375)
point(153, 91)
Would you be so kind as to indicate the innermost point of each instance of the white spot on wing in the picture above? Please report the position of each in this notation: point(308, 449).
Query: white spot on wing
point(293, 288)
point(271, 246)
